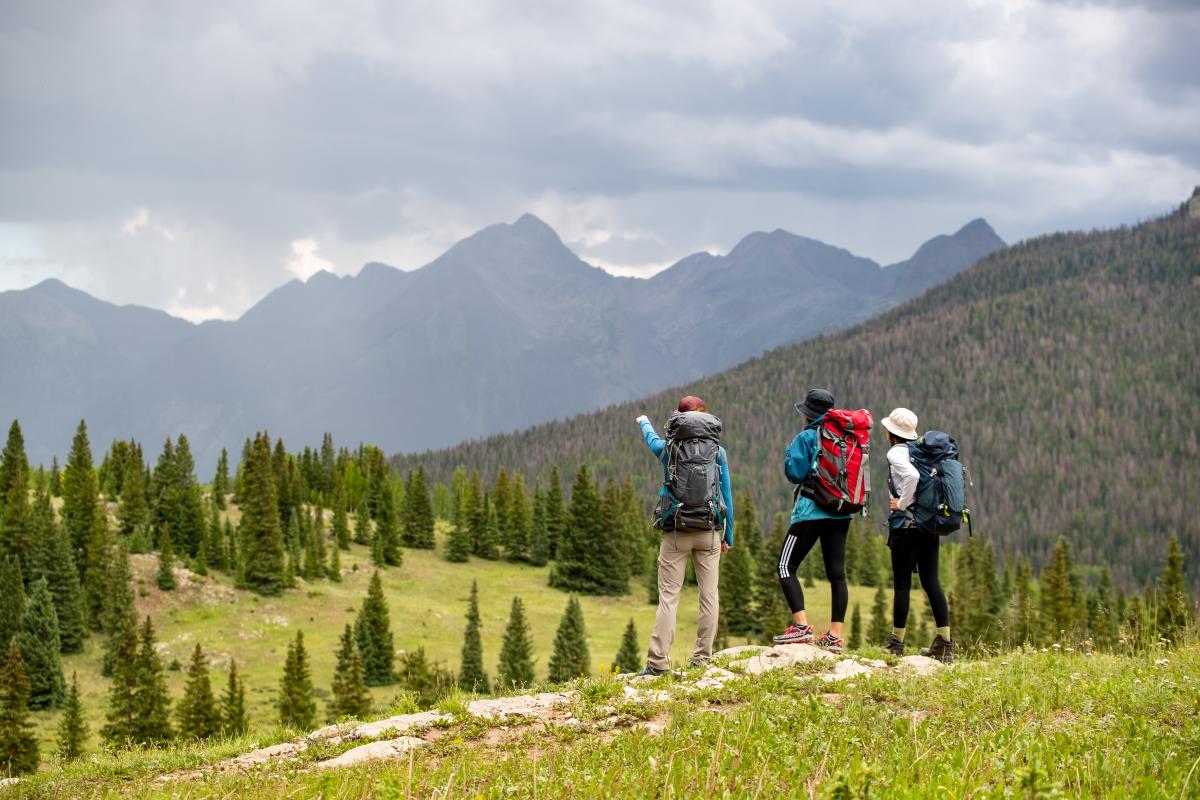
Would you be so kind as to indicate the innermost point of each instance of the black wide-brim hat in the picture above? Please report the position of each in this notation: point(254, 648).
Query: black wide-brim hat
point(815, 403)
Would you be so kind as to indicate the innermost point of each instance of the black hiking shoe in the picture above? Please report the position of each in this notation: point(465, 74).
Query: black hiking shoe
point(941, 649)
point(895, 646)
point(649, 670)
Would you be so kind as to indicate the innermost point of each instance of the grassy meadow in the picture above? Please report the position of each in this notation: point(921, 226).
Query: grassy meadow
point(427, 597)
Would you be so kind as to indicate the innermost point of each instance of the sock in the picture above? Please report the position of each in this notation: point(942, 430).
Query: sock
point(944, 633)
point(898, 633)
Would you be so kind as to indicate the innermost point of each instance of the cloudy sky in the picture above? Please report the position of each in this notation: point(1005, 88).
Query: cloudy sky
point(192, 156)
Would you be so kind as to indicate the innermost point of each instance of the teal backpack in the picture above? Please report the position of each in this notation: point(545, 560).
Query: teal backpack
point(939, 505)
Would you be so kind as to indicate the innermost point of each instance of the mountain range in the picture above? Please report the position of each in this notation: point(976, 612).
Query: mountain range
point(506, 329)
point(1065, 366)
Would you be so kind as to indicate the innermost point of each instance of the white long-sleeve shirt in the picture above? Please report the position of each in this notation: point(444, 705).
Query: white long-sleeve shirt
point(904, 475)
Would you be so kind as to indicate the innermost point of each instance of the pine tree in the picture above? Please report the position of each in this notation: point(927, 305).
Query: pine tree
point(81, 515)
point(881, 625)
point(737, 579)
point(458, 543)
point(418, 513)
point(387, 528)
point(152, 701)
point(218, 555)
point(197, 712)
point(261, 548)
point(651, 573)
point(133, 511)
point(341, 520)
point(297, 708)
point(362, 524)
point(975, 594)
point(14, 498)
point(18, 744)
point(123, 721)
point(516, 543)
point(773, 611)
point(570, 658)
point(471, 676)
point(584, 562)
point(350, 695)
point(220, 484)
point(314, 546)
point(539, 534)
point(1174, 601)
point(72, 728)
point(629, 657)
point(97, 555)
point(515, 670)
point(373, 633)
point(233, 704)
point(556, 512)
point(1104, 628)
point(55, 562)
point(12, 597)
point(487, 530)
point(118, 612)
point(611, 554)
point(335, 564)
point(165, 577)
point(854, 640)
point(1025, 628)
point(41, 649)
point(55, 487)
point(1058, 602)
point(428, 681)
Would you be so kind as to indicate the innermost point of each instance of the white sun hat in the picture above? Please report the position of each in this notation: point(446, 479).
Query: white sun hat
point(902, 422)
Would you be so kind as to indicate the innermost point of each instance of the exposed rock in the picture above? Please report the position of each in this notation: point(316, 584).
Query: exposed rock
point(401, 724)
point(525, 705)
point(387, 748)
point(921, 665)
point(846, 669)
point(743, 650)
point(780, 656)
point(271, 753)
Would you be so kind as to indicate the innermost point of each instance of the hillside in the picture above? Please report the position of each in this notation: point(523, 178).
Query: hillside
point(1065, 366)
point(506, 329)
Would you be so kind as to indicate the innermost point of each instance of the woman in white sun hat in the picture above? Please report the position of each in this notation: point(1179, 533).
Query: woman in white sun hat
point(911, 547)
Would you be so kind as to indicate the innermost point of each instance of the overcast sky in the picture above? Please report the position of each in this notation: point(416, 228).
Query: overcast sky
point(193, 156)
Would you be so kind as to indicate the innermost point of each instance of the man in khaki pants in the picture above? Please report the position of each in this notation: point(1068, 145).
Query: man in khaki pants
point(695, 514)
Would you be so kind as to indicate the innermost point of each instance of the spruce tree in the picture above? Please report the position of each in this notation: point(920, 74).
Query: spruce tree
point(387, 528)
point(197, 714)
point(341, 520)
point(350, 695)
point(976, 593)
point(428, 681)
point(12, 597)
point(1104, 629)
point(515, 670)
point(570, 658)
point(418, 512)
point(458, 543)
point(119, 611)
point(737, 590)
point(133, 511)
point(629, 656)
point(1174, 601)
point(1025, 628)
point(373, 633)
point(165, 577)
point(584, 562)
point(539, 534)
point(773, 612)
point(72, 728)
point(233, 704)
point(471, 676)
point(335, 564)
point(55, 562)
point(122, 727)
point(651, 573)
point(80, 509)
point(297, 708)
point(611, 555)
point(14, 497)
point(18, 744)
point(516, 543)
point(218, 552)
point(1058, 602)
point(220, 484)
point(41, 648)
point(261, 547)
point(152, 701)
point(556, 512)
point(881, 624)
point(854, 639)
point(97, 555)
point(362, 524)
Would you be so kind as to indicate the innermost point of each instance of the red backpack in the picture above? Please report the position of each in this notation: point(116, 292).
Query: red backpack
point(841, 475)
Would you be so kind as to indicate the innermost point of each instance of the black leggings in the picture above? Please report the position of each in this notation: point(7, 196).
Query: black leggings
point(911, 548)
point(799, 540)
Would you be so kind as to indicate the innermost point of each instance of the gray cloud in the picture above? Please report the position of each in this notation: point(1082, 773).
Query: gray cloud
point(259, 140)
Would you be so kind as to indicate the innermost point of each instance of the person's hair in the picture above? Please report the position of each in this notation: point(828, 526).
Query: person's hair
point(691, 403)
point(893, 438)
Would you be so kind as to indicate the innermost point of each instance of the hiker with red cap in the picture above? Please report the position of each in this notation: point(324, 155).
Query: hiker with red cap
point(695, 515)
point(827, 461)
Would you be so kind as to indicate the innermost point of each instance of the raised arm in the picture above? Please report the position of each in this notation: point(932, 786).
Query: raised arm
point(653, 440)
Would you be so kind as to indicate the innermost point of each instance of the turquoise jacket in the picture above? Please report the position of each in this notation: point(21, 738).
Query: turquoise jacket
point(658, 446)
point(797, 466)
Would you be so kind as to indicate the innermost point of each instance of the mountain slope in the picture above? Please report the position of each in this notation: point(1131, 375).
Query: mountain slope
point(508, 328)
point(1066, 367)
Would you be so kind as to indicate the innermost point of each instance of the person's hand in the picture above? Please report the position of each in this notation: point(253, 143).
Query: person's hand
point(893, 504)
point(724, 548)
point(641, 419)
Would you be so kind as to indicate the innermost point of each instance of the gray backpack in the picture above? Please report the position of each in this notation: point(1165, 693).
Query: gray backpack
point(690, 498)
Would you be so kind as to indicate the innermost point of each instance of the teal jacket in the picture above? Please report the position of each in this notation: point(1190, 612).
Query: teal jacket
point(797, 466)
point(658, 446)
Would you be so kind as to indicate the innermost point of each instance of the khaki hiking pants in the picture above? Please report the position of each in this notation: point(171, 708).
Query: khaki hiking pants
point(705, 549)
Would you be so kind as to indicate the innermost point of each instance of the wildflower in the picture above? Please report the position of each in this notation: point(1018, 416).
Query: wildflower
point(1162, 662)
point(653, 762)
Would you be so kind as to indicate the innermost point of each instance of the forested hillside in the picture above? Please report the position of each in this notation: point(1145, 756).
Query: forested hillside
point(1066, 366)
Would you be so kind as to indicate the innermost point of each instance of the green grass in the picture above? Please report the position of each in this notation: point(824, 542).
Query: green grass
point(1025, 724)
point(427, 597)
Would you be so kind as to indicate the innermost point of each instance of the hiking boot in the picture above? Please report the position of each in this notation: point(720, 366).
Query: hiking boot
point(795, 634)
point(653, 672)
point(834, 644)
point(941, 649)
point(895, 646)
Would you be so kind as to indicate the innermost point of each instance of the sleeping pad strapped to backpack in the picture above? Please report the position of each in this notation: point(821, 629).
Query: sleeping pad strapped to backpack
point(690, 498)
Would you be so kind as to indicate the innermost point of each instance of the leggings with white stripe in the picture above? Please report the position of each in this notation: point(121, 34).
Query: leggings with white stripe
point(801, 537)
